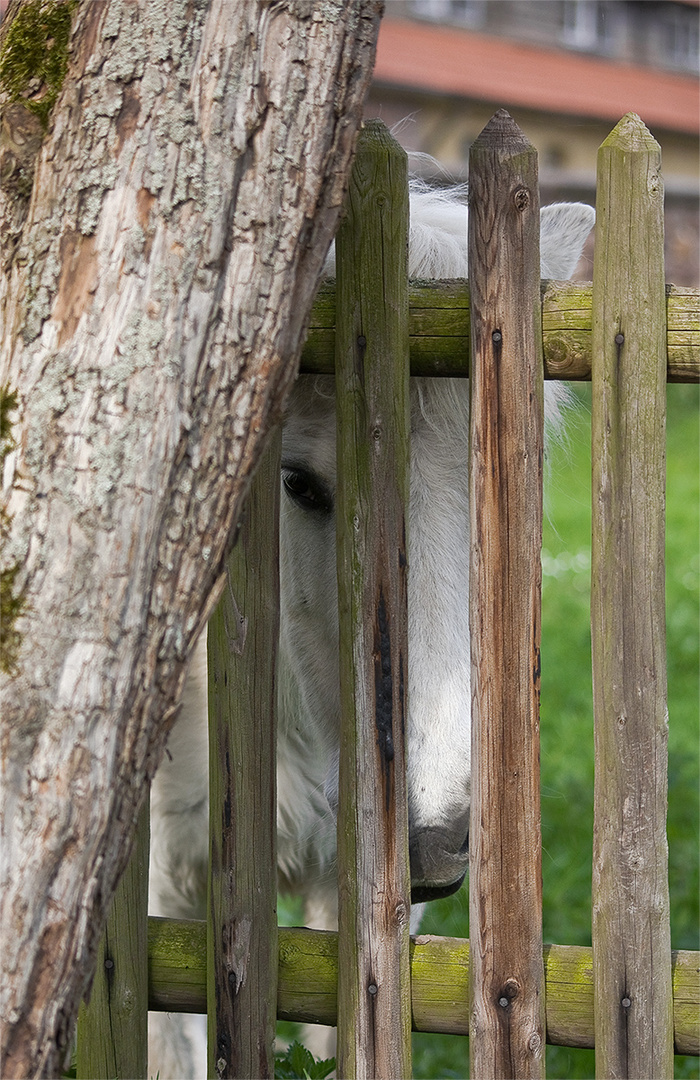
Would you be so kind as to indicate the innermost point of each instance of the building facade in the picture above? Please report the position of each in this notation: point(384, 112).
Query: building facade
point(567, 71)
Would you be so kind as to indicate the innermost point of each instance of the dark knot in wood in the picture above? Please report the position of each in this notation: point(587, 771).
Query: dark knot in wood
point(508, 993)
point(521, 199)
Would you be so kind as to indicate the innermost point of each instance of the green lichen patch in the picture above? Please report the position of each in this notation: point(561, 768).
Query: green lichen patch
point(34, 55)
point(11, 605)
point(8, 404)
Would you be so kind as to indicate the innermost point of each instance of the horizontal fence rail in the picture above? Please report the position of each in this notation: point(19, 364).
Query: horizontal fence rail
point(308, 982)
point(439, 329)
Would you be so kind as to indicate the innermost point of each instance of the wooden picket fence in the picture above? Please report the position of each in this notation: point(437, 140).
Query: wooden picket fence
point(630, 996)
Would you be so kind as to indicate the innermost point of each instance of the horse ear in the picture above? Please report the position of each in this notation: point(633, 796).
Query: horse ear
point(563, 231)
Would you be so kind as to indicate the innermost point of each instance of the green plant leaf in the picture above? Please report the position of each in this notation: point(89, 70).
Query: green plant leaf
point(298, 1063)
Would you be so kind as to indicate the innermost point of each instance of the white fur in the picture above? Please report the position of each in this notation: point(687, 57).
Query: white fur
point(439, 698)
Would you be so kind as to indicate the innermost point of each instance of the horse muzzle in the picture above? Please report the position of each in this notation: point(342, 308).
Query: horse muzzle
point(439, 860)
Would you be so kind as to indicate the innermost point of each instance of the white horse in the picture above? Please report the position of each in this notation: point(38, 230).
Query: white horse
point(438, 728)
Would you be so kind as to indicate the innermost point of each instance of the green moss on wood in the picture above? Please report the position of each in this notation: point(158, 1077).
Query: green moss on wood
point(11, 605)
point(439, 330)
point(308, 975)
point(8, 404)
point(34, 55)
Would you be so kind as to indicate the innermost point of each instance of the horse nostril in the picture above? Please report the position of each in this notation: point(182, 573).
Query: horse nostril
point(422, 894)
point(439, 858)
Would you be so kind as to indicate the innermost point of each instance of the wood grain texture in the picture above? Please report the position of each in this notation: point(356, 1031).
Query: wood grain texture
point(438, 320)
point(242, 899)
point(308, 977)
point(567, 332)
point(374, 1020)
point(507, 1025)
point(177, 964)
point(631, 926)
point(113, 1024)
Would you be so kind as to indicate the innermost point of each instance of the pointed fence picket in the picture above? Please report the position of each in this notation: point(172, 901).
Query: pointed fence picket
point(371, 372)
point(507, 1029)
point(630, 333)
point(631, 908)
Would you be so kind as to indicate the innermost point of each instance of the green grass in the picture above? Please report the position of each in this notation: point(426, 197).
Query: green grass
point(567, 724)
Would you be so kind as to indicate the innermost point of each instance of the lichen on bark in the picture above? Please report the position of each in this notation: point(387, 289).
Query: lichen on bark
point(11, 606)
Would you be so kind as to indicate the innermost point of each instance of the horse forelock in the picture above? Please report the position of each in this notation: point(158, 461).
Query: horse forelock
point(437, 246)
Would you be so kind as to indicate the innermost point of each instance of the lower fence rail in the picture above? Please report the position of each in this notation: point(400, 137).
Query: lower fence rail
point(308, 980)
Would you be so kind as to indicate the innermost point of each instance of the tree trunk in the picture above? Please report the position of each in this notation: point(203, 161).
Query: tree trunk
point(157, 276)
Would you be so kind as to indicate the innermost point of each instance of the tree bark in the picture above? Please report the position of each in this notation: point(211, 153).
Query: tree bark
point(154, 292)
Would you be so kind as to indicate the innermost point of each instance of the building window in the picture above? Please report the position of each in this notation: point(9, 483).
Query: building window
point(591, 25)
point(678, 43)
point(470, 13)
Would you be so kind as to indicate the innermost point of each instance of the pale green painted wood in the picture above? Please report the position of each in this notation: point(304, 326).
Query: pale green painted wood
point(631, 927)
point(308, 980)
point(242, 901)
point(567, 332)
point(439, 330)
point(308, 976)
point(507, 1022)
point(177, 965)
point(112, 1026)
point(371, 364)
point(686, 1001)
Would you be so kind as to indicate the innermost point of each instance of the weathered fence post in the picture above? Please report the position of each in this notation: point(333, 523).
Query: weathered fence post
point(374, 1003)
point(242, 902)
point(507, 1023)
point(631, 931)
point(112, 1026)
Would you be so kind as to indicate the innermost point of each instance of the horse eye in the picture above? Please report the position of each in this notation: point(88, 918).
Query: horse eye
point(307, 490)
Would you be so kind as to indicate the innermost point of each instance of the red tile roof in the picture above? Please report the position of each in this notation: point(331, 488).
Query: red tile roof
point(453, 61)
